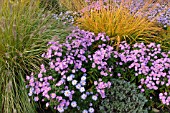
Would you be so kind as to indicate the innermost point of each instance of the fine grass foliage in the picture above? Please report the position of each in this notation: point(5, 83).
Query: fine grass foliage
point(73, 5)
point(51, 5)
point(118, 23)
point(24, 32)
point(165, 36)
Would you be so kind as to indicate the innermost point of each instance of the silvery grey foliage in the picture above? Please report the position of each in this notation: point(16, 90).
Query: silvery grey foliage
point(123, 97)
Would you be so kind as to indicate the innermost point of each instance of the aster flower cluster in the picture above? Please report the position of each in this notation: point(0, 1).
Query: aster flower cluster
point(96, 5)
point(73, 66)
point(151, 65)
point(161, 13)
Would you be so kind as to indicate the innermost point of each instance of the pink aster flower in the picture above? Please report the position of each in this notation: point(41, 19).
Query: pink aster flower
point(53, 95)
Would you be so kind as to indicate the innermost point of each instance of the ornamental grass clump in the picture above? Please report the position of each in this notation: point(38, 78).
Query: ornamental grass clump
point(149, 67)
point(73, 5)
point(165, 35)
point(118, 23)
point(123, 97)
point(51, 5)
point(24, 32)
point(77, 75)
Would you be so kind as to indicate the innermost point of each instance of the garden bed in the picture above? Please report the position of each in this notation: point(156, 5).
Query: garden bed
point(85, 56)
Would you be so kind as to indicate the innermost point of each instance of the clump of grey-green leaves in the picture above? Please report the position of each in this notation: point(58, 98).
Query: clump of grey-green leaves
point(123, 97)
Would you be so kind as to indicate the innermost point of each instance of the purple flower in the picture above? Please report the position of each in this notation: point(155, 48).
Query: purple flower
point(53, 95)
point(36, 99)
point(83, 70)
point(83, 83)
point(59, 98)
point(60, 109)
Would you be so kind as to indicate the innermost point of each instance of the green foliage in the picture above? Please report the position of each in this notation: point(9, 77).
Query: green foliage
point(165, 36)
point(25, 30)
point(123, 97)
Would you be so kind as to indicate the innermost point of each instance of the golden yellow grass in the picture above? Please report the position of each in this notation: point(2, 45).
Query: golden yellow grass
point(118, 23)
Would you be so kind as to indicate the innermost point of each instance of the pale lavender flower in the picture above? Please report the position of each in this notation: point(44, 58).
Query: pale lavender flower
point(83, 96)
point(78, 86)
point(53, 95)
point(73, 104)
point(36, 99)
point(74, 82)
point(94, 97)
point(82, 89)
point(85, 111)
point(60, 109)
point(67, 93)
point(91, 110)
